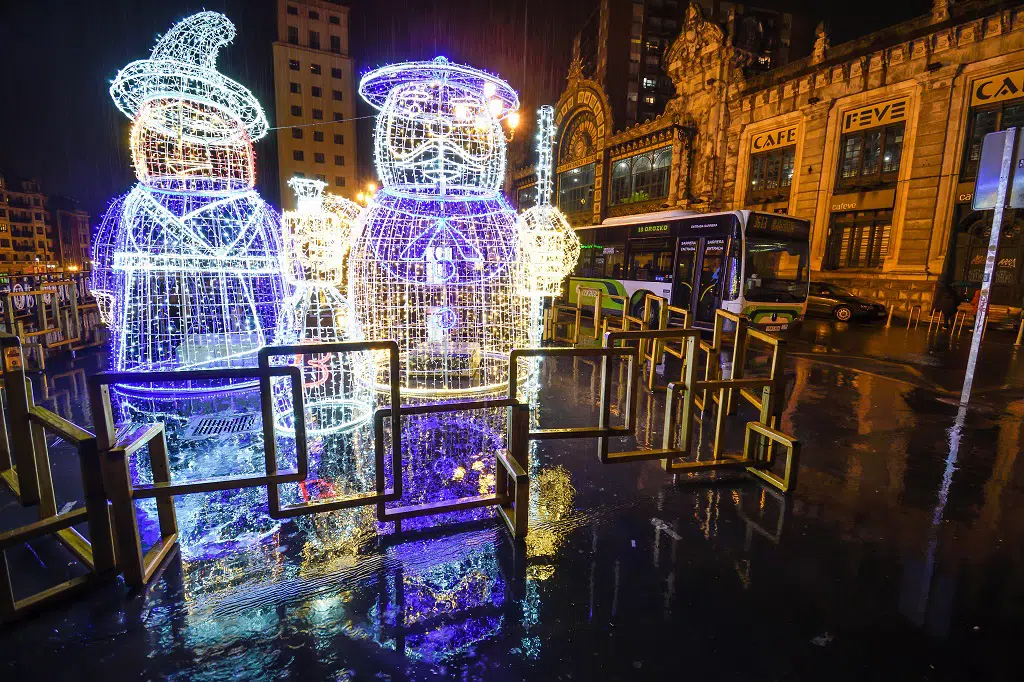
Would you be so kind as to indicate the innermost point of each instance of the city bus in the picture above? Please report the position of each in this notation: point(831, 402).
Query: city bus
point(746, 262)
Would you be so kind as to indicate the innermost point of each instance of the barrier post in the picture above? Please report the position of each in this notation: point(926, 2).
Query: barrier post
point(20, 473)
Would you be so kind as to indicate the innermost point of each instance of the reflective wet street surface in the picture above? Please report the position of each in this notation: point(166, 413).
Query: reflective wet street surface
point(900, 555)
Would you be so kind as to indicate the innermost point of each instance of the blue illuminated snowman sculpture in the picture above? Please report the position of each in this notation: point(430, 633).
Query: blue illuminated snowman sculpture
point(188, 270)
point(434, 265)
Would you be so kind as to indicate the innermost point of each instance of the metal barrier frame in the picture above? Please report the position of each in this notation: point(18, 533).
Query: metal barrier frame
point(510, 466)
point(597, 295)
point(118, 448)
point(604, 428)
point(97, 553)
point(380, 493)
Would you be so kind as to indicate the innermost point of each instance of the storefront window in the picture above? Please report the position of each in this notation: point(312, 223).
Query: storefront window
point(771, 175)
point(870, 158)
point(981, 122)
point(858, 240)
point(970, 251)
point(576, 189)
point(641, 177)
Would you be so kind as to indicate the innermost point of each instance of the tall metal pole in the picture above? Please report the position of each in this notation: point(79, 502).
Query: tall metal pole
point(990, 261)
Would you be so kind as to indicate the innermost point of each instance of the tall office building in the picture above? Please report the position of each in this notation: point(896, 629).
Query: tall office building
point(72, 231)
point(315, 94)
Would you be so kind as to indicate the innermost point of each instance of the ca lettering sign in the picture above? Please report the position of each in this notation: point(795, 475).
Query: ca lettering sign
point(998, 88)
point(774, 139)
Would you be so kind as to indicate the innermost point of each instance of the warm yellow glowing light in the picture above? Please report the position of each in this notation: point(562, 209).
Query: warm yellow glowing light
point(461, 112)
point(481, 123)
point(489, 89)
point(494, 106)
point(513, 120)
point(371, 187)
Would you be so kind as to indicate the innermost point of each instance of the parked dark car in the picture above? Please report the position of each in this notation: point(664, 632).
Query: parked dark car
point(836, 302)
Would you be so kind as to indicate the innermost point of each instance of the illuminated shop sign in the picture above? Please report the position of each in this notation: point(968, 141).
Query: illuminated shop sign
point(893, 111)
point(774, 139)
point(997, 88)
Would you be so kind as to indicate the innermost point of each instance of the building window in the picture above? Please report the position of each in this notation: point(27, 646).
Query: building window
point(870, 158)
point(318, 136)
point(339, 138)
point(981, 122)
point(649, 99)
point(650, 82)
point(526, 198)
point(295, 88)
point(576, 189)
point(339, 160)
point(339, 181)
point(296, 110)
point(858, 240)
point(338, 116)
point(293, 35)
point(297, 133)
point(641, 177)
point(313, 14)
point(317, 92)
point(336, 44)
point(771, 175)
point(314, 40)
point(336, 95)
point(335, 73)
point(321, 177)
point(318, 157)
point(314, 69)
point(318, 114)
point(293, 10)
point(297, 155)
point(293, 64)
point(335, 19)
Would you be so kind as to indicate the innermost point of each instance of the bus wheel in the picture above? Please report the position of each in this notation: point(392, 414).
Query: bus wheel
point(637, 310)
point(843, 313)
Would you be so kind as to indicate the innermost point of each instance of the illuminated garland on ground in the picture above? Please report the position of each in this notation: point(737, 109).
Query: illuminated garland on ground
point(435, 264)
point(188, 260)
point(549, 244)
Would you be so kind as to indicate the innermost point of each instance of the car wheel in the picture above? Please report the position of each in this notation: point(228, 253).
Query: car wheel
point(843, 313)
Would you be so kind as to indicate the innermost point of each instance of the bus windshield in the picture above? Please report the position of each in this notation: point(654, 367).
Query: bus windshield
point(776, 270)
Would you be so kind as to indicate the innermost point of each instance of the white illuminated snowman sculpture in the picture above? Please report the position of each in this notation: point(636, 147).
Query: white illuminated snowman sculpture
point(435, 264)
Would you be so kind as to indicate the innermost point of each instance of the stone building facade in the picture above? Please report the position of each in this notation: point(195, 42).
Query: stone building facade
point(874, 141)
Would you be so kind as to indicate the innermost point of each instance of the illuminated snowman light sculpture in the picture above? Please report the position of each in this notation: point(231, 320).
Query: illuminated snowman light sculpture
point(187, 263)
point(435, 265)
point(337, 387)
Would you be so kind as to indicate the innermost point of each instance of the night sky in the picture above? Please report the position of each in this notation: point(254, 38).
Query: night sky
point(60, 126)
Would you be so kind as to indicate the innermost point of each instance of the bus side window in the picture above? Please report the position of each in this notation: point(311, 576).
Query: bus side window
point(732, 289)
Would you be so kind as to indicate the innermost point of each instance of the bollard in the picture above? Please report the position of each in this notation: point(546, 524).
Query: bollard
point(1020, 332)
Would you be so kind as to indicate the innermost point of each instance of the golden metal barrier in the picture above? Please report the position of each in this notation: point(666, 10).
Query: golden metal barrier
point(613, 321)
point(30, 423)
point(596, 295)
point(512, 483)
point(554, 321)
point(117, 449)
point(380, 493)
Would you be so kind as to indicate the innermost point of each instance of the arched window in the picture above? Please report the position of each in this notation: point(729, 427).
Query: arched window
point(642, 177)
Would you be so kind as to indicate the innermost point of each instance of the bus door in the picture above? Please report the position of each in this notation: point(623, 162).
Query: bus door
point(682, 289)
point(708, 289)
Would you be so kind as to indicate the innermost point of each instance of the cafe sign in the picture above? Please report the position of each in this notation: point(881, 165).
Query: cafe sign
point(774, 139)
point(884, 113)
point(997, 88)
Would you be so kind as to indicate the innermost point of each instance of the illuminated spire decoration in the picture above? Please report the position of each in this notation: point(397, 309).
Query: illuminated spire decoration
point(550, 247)
point(188, 260)
point(435, 265)
point(337, 389)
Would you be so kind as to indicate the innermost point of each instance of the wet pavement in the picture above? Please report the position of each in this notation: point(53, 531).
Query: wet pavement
point(891, 560)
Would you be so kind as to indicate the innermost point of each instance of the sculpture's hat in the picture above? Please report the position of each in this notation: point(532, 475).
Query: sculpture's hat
point(183, 66)
point(378, 84)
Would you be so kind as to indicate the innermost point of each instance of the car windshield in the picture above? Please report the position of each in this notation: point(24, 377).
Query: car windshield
point(776, 271)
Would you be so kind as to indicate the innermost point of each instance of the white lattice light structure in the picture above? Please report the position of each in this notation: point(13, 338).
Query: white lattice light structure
point(550, 247)
point(435, 263)
point(337, 388)
point(189, 258)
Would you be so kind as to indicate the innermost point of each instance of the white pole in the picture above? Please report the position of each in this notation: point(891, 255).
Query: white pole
point(990, 262)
